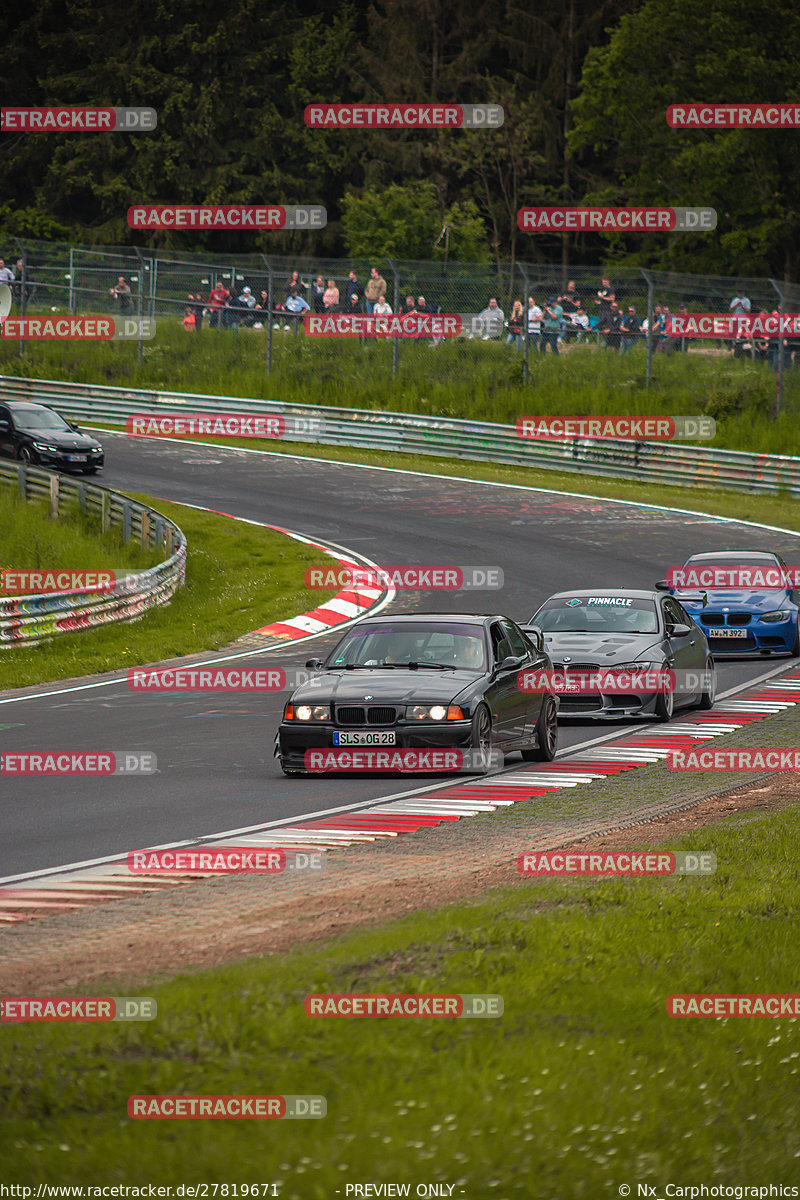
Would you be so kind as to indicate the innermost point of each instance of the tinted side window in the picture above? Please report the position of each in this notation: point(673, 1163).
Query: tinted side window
point(500, 646)
point(514, 638)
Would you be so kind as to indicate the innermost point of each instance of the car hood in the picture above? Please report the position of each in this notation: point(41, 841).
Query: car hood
point(605, 649)
point(64, 439)
point(383, 687)
point(764, 600)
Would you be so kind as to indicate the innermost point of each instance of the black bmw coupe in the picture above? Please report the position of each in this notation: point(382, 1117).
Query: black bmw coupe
point(423, 681)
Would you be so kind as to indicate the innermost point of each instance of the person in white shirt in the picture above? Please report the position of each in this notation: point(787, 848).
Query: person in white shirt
point(490, 322)
point(534, 324)
point(6, 274)
point(580, 323)
point(381, 308)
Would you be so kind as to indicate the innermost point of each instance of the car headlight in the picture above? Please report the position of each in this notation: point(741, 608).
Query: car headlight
point(782, 614)
point(426, 712)
point(97, 449)
point(635, 666)
point(44, 446)
point(307, 712)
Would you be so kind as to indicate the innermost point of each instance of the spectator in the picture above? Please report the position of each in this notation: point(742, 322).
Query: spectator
point(614, 325)
point(491, 320)
point(570, 301)
point(553, 313)
point(6, 274)
point(630, 328)
point(295, 283)
point(515, 326)
point(408, 307)
point(247, 303)
point(580, 324)
point(123, 294)
point(534, 324)
point(198, 307)
point(296, 305)
point(381, 308)
point(739, 304)
point(683, 343)
point(665, 342)
point(30, 286)
point(605, 298)
point(330, 297)
point(189, 319)
point(262, 309)
point(354, 288)
point(376, 285)
point(354, 304)
point(217, 298)
point(318, 295)
point(655, 329)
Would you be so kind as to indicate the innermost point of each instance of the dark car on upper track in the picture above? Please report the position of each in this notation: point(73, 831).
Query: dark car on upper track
point(36, 434)
point(759, 618)
point(628, 631)
point(423, 681)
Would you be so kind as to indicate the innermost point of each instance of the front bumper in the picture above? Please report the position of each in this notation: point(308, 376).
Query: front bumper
point(602, 706)
point(761, 638)
point(294, 738)
point(61, 460)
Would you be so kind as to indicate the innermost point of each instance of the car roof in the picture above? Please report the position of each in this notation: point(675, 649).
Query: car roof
point(421, 618)
point(26, 405)
point(728, 554)
point(633, 593)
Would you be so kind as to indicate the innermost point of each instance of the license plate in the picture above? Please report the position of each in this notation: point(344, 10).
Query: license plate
point(77, 458)
point(719, 633)
point(364, 737)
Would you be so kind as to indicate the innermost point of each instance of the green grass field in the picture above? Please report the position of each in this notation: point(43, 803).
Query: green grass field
point(582, 1086)
point(469, 379)
point(238, 578)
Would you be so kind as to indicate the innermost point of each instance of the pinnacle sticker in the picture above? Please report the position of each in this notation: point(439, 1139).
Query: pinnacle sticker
point(403, 116)
point(227, 216)
point(77, 120)
point(733, 116)
point(565, 218)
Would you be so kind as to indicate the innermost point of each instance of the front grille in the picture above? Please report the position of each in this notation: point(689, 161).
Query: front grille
point(356, 715)
point(739, 618)
point(731, 618)
point(381, 716)
point(573, 666)
point(712, 618)
point(719, 643)
point(350, 716)
point(580, 703)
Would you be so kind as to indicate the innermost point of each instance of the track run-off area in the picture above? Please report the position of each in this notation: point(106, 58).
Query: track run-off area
point(217, 779)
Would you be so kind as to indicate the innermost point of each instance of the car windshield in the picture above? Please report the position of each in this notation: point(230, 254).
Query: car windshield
point(433, 644)
point(39, 418)
point(597, 614)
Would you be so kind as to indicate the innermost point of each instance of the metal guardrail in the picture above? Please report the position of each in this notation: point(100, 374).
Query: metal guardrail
point(26, 620)
point(482, 441)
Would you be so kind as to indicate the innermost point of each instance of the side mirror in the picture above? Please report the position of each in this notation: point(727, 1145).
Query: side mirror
point(662, 586)
point(315, 664)
point(511, 662)
point(536, 635)
point(4, 427)
point(680, 630)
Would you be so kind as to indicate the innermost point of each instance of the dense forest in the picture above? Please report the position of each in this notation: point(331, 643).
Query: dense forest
point(584, 85)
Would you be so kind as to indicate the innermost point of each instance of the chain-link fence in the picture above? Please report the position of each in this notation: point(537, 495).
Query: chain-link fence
point(527, 309)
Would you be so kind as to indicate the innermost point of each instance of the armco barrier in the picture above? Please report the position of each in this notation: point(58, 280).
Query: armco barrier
point(484, 441)
point(26, 620)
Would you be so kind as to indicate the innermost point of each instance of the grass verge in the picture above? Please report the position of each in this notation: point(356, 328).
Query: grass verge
point(470, 379)
point(238, 578)
point(582, 1086)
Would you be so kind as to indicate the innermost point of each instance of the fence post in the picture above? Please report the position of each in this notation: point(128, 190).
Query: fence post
point(139, 301)
point(55, 494)
point(72, 281)
point(22, 290)
point(396, 307)
point(526, 292)
point(781, 353)
point(648, 280)
point(269, 313)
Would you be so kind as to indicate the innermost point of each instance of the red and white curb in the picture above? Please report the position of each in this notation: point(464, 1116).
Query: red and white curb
point(421, 811)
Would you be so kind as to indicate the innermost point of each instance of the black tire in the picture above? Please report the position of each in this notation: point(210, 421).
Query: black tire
point(709, 696)
point(26, 455)
point(546, 734)
point(665, 706)
point(480, 742)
